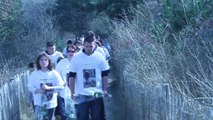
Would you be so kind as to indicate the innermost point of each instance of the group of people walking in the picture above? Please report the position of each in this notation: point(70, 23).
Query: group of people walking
point(82, 68)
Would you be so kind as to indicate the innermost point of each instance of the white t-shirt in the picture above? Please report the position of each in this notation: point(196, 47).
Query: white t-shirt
point(50, 78)
point(54, 57)
point(100, 50)
point(64, 51)
point(107, 55)
point(88, 72)
point(63, 68)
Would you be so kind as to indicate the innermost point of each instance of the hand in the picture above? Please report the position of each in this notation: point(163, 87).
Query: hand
point(45, 87)
point(106, 94)
point(73, 96)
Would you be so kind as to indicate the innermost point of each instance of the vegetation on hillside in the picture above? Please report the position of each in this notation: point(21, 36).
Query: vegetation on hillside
point(167, 42)
point(154, 41)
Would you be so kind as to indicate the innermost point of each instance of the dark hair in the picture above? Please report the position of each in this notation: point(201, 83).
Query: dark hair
point(72, 46)
point(31, 64)
point(69, 41)
point(77, 42)
point(97, 37)
point(50, 44)
point(90, 38)
point(98, 43)
point(38, 66)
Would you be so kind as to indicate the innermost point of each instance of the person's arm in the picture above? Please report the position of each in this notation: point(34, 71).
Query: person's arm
point(59, 68)
point(104, 75)
point(72, 84)
point(31, 88)
point(72, 76)
point(31, 83)
point(72, 87)
point(59, 83)
point(56, 88)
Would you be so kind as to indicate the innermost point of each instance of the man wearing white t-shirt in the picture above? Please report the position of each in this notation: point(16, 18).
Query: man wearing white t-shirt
point(52, 53)
point(89, 75)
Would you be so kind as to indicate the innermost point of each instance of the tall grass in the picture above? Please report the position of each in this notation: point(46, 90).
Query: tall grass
point(149, 50)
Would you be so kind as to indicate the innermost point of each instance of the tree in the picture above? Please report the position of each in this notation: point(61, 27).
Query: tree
point(73, 15)
point(10, 11)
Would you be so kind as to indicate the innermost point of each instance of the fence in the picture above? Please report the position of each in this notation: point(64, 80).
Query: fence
point(134, 101)
point(12, 97)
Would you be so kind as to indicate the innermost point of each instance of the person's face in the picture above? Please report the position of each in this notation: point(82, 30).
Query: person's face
point(70, 52)
point(89, 47)
point(44, 62)
point(51, 50)
point(69, 45)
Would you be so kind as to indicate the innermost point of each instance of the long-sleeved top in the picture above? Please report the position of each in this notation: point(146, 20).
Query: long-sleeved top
point(63, 68)
point(50, 78)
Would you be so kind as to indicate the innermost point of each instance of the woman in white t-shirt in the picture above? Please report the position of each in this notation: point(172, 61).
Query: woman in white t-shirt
point(45, 83)
point(63, 68)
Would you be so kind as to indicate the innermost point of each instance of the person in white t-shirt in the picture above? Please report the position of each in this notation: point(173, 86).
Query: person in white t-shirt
point(78, 44)
point(52, 53)
point(97, 48)
point(69, 43)
point(63, 67)
point(89, 75)
point(45, 83)
point(100, 44)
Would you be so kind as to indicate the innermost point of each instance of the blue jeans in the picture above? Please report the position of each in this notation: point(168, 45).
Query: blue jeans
point(60, 109)
point(40, 114)
point(93, 108)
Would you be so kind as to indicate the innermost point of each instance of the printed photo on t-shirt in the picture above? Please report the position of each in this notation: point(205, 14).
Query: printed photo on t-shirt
point(48, 93)
point(89, 76)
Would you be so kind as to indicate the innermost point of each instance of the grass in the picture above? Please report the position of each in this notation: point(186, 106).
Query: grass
point(148, 51)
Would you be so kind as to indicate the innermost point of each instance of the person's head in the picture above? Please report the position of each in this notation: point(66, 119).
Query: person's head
point(32, 66)
point(97, 38)
point(71, 51)
point(69, 42)
point(50, 47)
point(43, 62)
point(89, 43)
point(98, 43)
point(78, 45)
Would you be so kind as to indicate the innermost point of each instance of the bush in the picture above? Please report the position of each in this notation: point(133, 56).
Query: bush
point(33, 28)
point(149, 50)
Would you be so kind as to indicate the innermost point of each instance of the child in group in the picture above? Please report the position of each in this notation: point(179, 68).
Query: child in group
point(45, 83)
